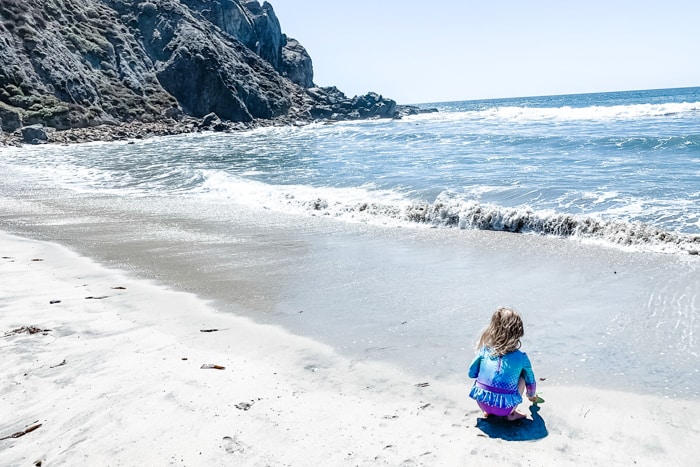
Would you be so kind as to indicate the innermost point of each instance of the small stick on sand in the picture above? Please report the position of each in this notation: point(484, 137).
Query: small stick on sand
point(29, 429)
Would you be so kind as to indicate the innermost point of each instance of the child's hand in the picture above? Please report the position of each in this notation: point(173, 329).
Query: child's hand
point(536, 399)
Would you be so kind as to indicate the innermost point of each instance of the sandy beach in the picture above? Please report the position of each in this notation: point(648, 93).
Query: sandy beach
point(218, 251)
point(103, 369)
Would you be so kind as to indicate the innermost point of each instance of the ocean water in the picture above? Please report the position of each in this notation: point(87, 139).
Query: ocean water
point(396, 239)
point(621, 168)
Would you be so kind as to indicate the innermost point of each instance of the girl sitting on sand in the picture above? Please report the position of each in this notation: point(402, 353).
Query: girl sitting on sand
point(502, 371)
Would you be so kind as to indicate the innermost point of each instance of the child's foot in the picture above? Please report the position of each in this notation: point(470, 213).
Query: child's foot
point(515, 415)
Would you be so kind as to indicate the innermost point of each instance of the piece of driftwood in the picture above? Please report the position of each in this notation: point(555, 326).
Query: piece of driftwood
point(208, 330)
point(26, 329)
point(29, 429)
point(208, 366)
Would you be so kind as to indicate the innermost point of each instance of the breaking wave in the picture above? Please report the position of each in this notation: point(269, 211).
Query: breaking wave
point(473, 215)
point(519, 220)
point(367, 205)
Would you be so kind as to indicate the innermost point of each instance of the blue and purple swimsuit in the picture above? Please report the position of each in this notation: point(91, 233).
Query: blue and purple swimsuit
point(496, 386)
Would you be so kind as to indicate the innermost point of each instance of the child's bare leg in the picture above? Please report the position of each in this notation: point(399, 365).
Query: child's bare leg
point(515, 415)
point(521, 385)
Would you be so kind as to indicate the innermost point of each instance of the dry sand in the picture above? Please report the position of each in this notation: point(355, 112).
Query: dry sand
point(114, 377)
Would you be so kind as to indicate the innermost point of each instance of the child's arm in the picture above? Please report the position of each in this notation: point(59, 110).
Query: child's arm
point(475, 365)
point(529, 376)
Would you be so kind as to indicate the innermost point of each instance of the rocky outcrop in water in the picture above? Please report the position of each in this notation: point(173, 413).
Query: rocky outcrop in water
point(70, 64)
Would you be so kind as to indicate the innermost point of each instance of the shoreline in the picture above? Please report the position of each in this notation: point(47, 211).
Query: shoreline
point(183, 124)
point(107, 381)
point(138, 130)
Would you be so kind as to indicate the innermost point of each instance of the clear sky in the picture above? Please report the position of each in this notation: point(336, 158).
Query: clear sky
point(436, 51)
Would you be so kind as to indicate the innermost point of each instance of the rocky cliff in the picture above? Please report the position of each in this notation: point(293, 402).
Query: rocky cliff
point(82, 63)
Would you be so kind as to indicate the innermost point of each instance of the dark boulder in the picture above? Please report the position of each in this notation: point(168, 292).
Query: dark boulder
point(372, 105)
point(209, 120)
point(321, 112)
point(331, 103)
point(407, 110)
point(34, 134)
point(10, 118)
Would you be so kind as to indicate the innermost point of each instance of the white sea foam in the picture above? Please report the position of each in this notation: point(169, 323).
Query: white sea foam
point(567, 113)
point(299, 199)
point(384, 207)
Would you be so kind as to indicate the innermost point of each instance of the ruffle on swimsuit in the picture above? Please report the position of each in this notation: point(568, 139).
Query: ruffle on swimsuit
point(495, 397)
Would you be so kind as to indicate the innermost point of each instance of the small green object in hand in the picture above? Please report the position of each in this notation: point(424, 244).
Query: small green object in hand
point(538, 400)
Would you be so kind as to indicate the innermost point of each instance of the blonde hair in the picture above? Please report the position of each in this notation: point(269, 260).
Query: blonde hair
point(503, 334)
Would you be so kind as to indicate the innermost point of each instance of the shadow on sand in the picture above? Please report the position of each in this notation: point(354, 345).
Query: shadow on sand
point(520, 430)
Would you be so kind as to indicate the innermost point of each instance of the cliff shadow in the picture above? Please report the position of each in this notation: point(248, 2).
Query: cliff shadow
point(520, 430)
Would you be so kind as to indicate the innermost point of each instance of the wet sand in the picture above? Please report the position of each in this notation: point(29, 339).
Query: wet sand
point(415, 298)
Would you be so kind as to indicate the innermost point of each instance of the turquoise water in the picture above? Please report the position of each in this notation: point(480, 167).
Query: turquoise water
point(375, 237)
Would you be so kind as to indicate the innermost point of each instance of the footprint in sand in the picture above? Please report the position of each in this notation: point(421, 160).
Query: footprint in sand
point(233, 445)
